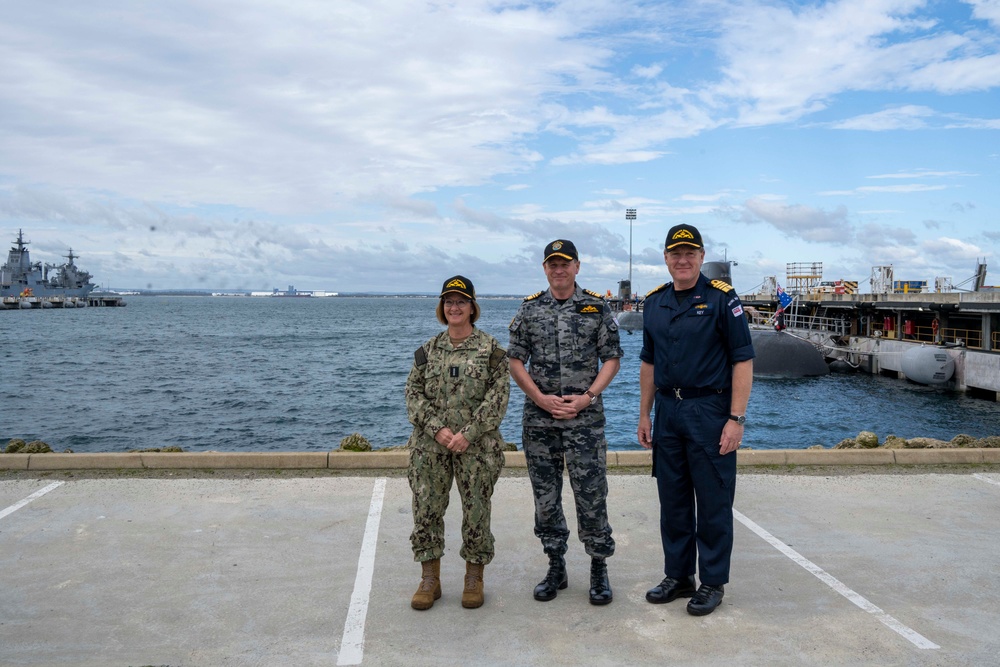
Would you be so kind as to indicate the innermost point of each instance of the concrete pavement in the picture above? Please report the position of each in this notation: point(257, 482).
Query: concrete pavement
point(863, 568)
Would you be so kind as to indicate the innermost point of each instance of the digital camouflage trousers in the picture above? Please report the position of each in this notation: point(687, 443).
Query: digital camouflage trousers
point(430, 476)
point(585, 452)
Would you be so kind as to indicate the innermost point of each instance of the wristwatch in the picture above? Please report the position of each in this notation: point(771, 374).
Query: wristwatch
point(593, 396)
point(740, 419)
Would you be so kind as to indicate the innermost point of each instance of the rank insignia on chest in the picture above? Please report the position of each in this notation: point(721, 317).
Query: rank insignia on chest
point(453, 371)
point(589, 310)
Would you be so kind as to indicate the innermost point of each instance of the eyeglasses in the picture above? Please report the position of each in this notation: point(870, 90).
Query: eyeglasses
point(456, 303)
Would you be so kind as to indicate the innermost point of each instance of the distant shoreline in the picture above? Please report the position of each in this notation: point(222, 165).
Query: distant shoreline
point(235, 294)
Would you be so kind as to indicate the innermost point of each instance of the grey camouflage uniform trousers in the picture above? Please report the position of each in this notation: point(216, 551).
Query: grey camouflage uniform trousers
point(585, 452)
point(563, 344)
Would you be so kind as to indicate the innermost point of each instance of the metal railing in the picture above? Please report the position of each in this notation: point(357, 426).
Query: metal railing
point(839, 326)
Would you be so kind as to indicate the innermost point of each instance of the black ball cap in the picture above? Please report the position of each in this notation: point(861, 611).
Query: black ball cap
point(683, 235)
point(560, 248)
point(459, 285)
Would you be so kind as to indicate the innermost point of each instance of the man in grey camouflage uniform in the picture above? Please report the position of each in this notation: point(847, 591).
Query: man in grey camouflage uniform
point(564, 351)
point(456, 397)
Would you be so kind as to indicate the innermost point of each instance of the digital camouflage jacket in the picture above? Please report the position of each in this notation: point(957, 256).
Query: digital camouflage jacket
point(464, 388)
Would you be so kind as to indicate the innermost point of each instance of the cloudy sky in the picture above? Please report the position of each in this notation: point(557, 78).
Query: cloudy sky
point(382, 145)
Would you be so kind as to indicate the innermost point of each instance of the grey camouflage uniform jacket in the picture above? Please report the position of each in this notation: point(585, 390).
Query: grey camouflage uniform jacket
point(561, 345)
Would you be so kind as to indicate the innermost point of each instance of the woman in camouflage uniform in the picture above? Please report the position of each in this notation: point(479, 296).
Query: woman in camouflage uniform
point(456, 397)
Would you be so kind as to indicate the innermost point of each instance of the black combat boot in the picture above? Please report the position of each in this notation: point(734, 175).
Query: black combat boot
point(555, 580)
point(600, 587)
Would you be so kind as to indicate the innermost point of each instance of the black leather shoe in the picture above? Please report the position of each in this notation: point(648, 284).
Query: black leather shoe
point(600, 587)
point(555, 580)
point(705, 600)
point(670, 589)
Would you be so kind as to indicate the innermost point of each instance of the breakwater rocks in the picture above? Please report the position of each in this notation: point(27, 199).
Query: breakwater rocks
point(356, 442)
point(19, 446)
point(869, 440)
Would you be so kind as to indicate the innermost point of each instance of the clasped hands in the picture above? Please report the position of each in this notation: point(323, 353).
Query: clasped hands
point(455, 442)
point(564, 407)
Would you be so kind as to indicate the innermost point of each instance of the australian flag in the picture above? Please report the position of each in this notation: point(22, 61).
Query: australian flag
point(783, 298)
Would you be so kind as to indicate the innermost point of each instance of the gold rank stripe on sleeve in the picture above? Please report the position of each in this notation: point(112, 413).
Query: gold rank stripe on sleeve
point(722, 285)
point(656, 289)
point(532, 296)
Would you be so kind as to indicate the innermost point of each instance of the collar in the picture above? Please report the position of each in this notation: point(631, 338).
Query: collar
point(575, 296)
point(697, 295)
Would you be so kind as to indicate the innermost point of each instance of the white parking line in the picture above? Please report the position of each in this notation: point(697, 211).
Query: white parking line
point(983, 478)
point(352, 644)
point(34, 496)
point(909, 634)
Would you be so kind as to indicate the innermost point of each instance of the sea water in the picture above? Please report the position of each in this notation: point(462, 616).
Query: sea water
point(300, 374)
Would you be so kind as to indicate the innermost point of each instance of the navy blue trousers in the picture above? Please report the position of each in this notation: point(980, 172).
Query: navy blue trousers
point(696, 486)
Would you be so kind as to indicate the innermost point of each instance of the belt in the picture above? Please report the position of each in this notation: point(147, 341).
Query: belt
point(681, 393)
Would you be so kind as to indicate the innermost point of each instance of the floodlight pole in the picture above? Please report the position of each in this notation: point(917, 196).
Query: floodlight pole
point(630, 216)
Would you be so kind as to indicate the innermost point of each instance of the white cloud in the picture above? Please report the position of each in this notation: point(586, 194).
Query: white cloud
point(851, 45)
point(910, 187)
point(804, 222)
point(908, 117)
point(608, 157)
point(947, 250)
point(987, 10)
point(305, 107)
point(894, 189)
point(650, 72)
point(281, 144)
point(921, 173)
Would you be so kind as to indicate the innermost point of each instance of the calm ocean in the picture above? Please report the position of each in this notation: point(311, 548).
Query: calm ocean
point(231, 373)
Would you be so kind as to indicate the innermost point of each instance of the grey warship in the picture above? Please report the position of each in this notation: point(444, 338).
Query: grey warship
point(20, 277)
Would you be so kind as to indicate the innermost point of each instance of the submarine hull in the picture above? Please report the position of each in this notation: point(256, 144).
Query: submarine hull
point(778, 354)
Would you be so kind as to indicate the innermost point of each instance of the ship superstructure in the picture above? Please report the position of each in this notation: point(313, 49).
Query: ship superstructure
point(20, 277)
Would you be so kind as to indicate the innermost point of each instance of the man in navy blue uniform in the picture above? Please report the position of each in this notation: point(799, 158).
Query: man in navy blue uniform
point(697, 367)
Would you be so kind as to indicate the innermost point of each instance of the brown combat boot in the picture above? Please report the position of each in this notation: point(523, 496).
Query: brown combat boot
point(430, 585)
point(472, 596)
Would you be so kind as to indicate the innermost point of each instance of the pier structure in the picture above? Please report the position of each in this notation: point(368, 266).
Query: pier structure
point(92, 300)
point(874, 331)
